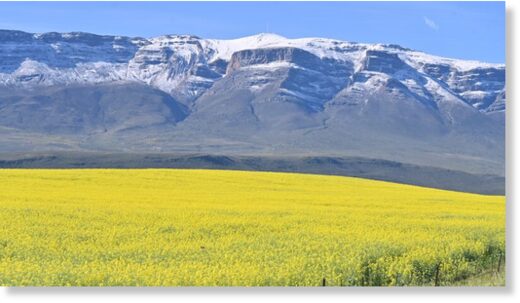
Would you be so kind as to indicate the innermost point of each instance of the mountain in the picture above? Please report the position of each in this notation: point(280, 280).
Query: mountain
point(257, 95)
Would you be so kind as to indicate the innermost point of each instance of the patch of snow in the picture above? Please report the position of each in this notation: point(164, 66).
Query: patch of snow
point(475, 94)
point(442, 94)
point(270, 65)
point(416, 59)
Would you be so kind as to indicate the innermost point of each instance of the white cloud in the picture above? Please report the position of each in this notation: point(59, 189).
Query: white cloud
point(431, 24)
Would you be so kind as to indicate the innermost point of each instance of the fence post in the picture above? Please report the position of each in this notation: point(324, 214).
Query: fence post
point(437, 270)
point(499, 262)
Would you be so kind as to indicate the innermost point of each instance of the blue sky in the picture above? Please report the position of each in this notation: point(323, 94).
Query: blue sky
point(468, 30)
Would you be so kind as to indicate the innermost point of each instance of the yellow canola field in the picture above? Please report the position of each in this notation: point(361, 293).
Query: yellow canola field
point(208, 227)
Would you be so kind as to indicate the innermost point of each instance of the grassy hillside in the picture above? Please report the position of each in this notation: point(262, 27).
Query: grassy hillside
point(208, 227)
point(376, 169)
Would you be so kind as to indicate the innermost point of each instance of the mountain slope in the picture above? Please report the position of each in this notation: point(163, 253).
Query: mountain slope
point(262, 94)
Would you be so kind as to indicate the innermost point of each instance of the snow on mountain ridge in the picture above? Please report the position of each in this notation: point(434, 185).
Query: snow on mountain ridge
point(187, 65)
point(334, 49)
point(323, 47)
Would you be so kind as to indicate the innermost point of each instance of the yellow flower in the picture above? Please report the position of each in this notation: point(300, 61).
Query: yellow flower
point(206, 227)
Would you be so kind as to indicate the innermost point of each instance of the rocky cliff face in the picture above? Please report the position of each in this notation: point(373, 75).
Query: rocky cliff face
point(64, 50)
point(187, 66)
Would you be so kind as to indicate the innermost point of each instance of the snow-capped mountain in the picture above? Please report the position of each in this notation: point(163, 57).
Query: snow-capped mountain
point(257, 94)
point(188, 65)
